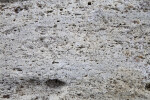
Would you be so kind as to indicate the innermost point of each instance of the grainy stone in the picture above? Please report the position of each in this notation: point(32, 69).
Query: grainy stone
point(99, 49)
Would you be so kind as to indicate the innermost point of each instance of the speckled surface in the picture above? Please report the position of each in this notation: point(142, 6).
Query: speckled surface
point(75, 50)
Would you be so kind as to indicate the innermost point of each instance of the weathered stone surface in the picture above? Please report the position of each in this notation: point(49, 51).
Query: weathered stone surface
point(74, 49)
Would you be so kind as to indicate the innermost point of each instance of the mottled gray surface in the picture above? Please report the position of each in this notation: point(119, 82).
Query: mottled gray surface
point(11, 1)
point(75, 50)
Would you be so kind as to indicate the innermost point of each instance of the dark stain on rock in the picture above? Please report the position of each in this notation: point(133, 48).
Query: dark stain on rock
point(55, 62)
point(54, 83)
point(34, 81)
point(6, 96)
point(9, 31)
point(18, 69)
point(81, 47)
point(55, 26)
point(42, 39)
point(1, 7)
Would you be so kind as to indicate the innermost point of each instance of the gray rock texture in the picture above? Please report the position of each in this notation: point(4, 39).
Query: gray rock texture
point(74, 50)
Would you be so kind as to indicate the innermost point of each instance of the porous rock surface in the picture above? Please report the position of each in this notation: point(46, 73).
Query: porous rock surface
point(74, 50)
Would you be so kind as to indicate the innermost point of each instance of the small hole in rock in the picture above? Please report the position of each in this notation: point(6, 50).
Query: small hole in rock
point(147, 86)
point(42, 39)
point(79, 94)
point(21, 86)
point(89, 3)
point(61, 9)
point(54, 83)
point(42, 50)
point(54, 62)
point(50, 11)
point(18, 9)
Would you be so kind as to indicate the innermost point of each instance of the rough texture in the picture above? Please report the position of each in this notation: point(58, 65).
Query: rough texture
point(75, 49)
